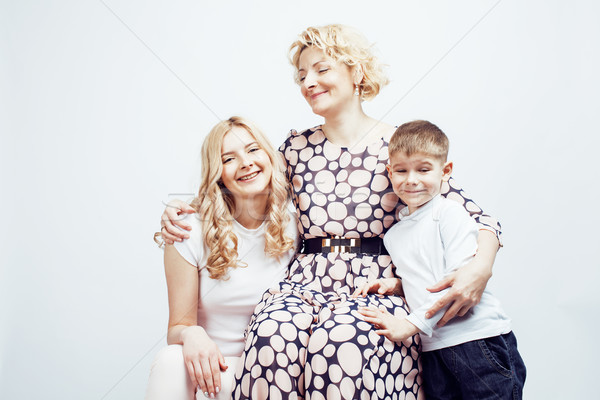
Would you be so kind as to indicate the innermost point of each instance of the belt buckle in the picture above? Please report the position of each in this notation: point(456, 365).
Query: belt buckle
point(330, 243)
point(326, 242)
point(327, 245)
point(354, 242)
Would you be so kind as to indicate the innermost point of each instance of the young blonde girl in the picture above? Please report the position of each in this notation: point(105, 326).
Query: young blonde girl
point(243, 238)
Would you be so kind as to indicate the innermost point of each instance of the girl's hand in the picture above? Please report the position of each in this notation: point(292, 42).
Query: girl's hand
point(466, 288)
point(384, 286)
point(395, 329)
point(171, 217)
point(203, 360)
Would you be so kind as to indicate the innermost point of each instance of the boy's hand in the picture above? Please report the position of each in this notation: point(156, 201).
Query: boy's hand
point(384, 286)
point(395, 329)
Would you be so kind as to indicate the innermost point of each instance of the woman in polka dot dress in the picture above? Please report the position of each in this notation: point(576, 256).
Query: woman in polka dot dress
point(306, 339)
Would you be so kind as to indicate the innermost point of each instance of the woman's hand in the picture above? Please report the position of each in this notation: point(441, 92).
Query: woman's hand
point(203, 360)
point(171, 217)
point(384, 286)
point(468, 282)
point(466, 288)
point(395, 329)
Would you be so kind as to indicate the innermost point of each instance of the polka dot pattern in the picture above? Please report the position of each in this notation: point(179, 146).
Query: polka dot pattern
point(306, 339)
point(339, 174)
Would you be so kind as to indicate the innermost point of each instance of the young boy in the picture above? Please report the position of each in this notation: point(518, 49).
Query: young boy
point(471, 357)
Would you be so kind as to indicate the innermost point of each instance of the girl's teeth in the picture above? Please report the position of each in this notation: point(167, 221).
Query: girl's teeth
point(245, 178)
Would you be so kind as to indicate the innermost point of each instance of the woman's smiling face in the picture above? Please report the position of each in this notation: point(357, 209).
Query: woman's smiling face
point(247, 168)
point(326, 84)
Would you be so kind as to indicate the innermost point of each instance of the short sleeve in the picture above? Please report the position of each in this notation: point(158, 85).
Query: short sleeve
point(452, 190)
point(287, 154)
point(192, 249)
point(458, 232)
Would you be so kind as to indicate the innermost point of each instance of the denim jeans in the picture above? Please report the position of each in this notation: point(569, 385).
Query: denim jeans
point(489, 368)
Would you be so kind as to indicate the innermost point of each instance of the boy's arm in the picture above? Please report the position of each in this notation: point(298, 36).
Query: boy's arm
point(459, 235)
point(418, 316)
point(394, 328)
point(383, 286)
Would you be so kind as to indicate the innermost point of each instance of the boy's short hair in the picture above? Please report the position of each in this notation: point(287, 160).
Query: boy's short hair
point(420, 137)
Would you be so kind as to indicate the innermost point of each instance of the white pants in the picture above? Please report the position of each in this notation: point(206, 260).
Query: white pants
point(169, 378)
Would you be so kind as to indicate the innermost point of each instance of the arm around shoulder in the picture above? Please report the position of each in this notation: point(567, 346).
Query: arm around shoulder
point(172, 219)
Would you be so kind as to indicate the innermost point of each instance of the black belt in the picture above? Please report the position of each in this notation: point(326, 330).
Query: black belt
point(372, 245)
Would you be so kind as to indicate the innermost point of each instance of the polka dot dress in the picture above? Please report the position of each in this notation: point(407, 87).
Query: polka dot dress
point(306, 339)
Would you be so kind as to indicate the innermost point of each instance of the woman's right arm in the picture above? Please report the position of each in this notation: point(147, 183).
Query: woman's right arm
point(171, 217)
point(202, 357)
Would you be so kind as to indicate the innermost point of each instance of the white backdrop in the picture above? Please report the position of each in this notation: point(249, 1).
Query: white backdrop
point(104, 105)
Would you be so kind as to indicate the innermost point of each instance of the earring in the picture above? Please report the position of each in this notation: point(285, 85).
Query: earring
point(356, 92)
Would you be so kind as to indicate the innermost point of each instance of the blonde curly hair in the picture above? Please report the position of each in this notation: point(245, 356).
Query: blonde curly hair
point(347, 45)
point(216, 206)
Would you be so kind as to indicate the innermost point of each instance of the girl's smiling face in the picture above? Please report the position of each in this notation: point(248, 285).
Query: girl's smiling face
point(247, 168)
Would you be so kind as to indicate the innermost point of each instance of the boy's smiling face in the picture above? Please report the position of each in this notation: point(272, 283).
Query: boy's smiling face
point(417, 178)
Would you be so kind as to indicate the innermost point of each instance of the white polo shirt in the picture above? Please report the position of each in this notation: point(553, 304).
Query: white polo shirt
point(427, 245)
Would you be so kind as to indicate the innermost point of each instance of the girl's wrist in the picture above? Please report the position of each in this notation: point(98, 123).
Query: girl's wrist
point(193, 330)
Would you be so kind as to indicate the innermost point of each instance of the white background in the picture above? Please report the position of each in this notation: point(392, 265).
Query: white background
point(104, 106)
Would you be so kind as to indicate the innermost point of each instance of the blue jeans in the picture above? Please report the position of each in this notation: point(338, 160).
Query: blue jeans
point(489, 368)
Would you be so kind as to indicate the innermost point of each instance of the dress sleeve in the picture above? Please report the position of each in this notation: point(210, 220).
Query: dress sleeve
point(286, 154)
point(453, 191)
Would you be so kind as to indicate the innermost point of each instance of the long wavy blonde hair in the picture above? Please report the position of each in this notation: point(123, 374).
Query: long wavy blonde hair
point(216, 206)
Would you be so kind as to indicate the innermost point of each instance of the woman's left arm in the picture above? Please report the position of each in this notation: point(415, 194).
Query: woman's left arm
point(468, 282)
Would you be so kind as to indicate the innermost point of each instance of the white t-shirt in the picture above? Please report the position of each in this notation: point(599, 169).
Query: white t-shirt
point(225, 306)
point(427, 245)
